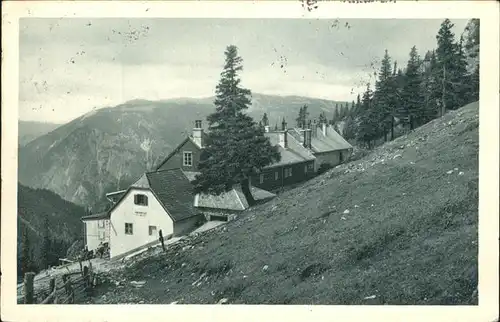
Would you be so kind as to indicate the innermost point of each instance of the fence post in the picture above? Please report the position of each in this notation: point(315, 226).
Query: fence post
point(162, 240)
point(86, 279)
point(68, 288)
point(52, 287)
point(28, 287)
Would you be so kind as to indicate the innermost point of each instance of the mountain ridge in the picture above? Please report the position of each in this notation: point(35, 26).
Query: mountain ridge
point(108, 148)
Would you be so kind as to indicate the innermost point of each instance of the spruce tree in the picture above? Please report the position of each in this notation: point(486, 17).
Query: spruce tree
point(26, 258)
point(300, 117)
point(349, 130)
point(452, 69)
point(322, 118)
point(431, 87)
point(358, 105)
point(265, 121)
point(461, 81)
point(305, 114)
point(383, 97)
point(345, 110)
point(471, 48)
point(412, 91)
point(45, 258)
point(336, 114)
point(367, 128)
point(236, 148)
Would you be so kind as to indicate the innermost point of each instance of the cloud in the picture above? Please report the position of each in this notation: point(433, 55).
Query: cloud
point(69, 66)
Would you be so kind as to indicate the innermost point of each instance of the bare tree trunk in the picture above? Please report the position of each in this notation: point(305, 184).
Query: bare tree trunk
point(392, 128)
point(245, 188)
point(443, 102)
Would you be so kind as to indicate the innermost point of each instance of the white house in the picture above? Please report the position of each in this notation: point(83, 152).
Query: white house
point(96, 230)
point(161, 200)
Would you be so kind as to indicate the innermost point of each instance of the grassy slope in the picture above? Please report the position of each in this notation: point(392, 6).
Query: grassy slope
point(410, 236)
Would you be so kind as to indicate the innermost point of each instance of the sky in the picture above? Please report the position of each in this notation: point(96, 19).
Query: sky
point(70, 66)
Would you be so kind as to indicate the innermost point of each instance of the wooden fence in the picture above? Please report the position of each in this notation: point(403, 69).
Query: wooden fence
point(68, 288)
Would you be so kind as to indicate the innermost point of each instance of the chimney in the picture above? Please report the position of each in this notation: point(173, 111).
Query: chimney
point(283, 125)
point(266, 128)
point(324, 128)
point(198, 133)
point(314, 129)
point(307, 138)
point(283, 135)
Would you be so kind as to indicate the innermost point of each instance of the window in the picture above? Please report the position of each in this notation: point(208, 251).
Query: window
point(129, 229)
point(101, 223)
point(288, 172)
point(261, 178)
point(276, 175)
point(305, 169)
point(101, 235)
point(141, 200)
point(311, 166)
point(188, 159)
point(152, 230)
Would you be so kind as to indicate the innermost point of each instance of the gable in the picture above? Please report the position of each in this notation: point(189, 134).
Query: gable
point(175, 158)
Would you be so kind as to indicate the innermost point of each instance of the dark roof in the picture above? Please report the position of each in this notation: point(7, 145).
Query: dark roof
point(174, 191)
point(102, 215)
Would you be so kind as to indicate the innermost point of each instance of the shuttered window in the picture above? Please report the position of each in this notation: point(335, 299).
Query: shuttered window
point(141, 200)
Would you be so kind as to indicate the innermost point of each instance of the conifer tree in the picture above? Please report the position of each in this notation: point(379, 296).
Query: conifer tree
point(336, 114)
point(431, 87)
point(412, 91)
point(349, 130)
point(367, 128)
point(358, 106)
point(383, 96)
point(302, 116)
point(236, 148)
point(26, 258)
point(322, 118)
point(471, 47)
point(452, 71)
point(45, 256)
point(344, 110)
point(265, 121)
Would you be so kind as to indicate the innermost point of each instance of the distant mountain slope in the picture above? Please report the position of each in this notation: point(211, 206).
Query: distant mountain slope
point(108, 148)
point(65, 225)
point(399, 226)
point(30, 130)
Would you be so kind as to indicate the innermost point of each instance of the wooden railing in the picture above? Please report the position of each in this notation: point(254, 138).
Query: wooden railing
point(68, 288)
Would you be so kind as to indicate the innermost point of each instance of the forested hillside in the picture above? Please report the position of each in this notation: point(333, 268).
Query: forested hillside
point(47, 225)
